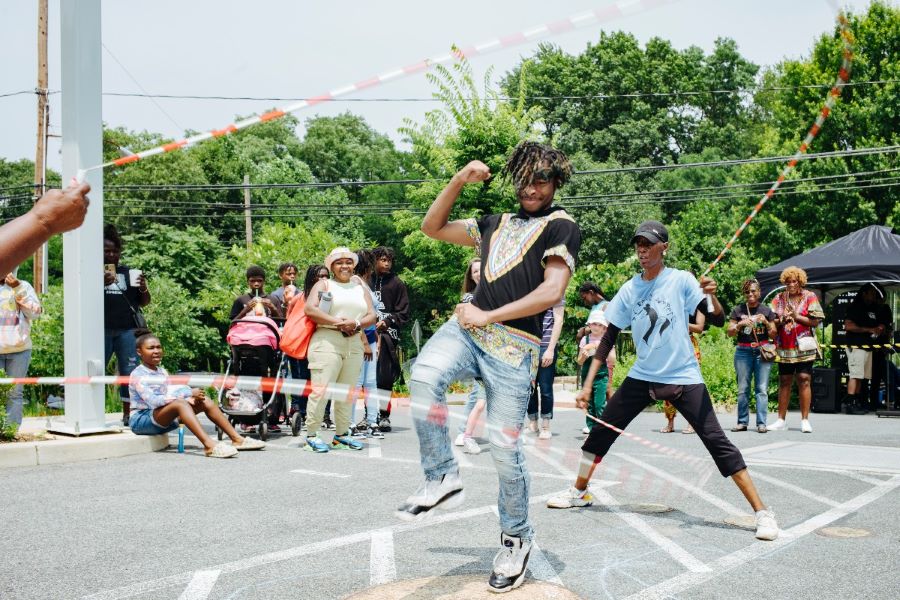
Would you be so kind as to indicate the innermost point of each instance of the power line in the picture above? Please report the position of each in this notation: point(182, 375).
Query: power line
point(748, 188)
point(763, 185)
point(201, 187)
point(695, 92)
point(500, 98)
point(745, 161)
point(140, 87)
point(874, 184)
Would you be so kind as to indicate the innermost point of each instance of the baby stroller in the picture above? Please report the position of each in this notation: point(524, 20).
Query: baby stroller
point(254, 353)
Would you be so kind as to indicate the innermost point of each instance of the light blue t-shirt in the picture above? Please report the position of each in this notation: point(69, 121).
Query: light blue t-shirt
point(657, 312)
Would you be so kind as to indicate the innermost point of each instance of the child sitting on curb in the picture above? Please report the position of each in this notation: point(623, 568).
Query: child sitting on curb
point(157, 407)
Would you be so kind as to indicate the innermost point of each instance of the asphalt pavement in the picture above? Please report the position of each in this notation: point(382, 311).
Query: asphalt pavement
point(287, 523)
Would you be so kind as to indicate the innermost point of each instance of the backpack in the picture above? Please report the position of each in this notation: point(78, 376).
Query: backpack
point(298, 329)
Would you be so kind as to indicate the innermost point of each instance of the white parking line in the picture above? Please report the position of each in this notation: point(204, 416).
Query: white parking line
point(320, 473)
point(201, 585)
point(703, 495)
point(675, 551)
point(766, 447)
point(540, 567)
point(382, 568)
point(252, 562)
point(825, 469)
point(735, 560)
point(794, 488)
point(374, 449)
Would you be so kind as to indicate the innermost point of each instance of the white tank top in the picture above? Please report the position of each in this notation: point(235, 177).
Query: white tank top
point(348, 300)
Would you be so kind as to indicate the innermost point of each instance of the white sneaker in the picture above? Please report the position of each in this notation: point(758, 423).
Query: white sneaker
point(509, 564)
point(446, 493)
point(545, 430)
point(470, 446)
point(572, 498)
point(778, 425)
point(459, 439)
point(586, 430)
point(805, 427)
point(766, 527)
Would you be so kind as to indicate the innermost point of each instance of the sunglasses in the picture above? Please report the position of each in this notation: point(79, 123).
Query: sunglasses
point(544, 176)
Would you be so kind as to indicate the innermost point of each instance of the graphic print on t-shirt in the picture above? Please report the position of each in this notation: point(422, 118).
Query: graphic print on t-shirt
point(652, 321)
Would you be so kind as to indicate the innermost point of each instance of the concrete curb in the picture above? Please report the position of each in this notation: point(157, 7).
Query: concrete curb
point(65, 449)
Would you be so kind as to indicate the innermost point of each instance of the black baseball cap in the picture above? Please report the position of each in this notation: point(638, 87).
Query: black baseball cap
point(653, 231)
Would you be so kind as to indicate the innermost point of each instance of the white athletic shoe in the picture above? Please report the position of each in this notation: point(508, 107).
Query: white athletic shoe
point(459, 439)
point(446, 493)
point(545, 430)
point(572, 498)
point(509, 564)
point(778, 425)
point(805, 427)
point(766, 527)
point(470, 446)
point(586, 430)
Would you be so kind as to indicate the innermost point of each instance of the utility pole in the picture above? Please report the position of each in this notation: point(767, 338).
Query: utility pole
point(248, 217)
point(40, 155)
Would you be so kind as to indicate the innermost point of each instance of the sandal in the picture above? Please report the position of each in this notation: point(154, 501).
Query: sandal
point(249, 443)
point(667, 429)
point(688, 430)
point(221, 450)
point(739, 428)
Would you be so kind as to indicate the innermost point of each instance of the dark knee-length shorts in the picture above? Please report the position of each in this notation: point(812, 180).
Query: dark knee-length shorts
point(692, 401)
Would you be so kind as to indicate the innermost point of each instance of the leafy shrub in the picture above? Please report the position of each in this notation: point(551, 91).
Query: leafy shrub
point(7, 429)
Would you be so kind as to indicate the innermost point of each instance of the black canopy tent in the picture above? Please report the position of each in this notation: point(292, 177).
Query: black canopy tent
point(870, 254)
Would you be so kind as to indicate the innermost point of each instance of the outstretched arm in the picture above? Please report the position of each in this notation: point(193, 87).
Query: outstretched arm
point(56, 212)
point(436, 224)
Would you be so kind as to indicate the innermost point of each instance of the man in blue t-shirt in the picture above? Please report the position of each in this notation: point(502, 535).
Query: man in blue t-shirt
point(657, 304)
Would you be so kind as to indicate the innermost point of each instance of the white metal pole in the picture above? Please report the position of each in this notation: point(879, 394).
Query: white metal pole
point(83, 247)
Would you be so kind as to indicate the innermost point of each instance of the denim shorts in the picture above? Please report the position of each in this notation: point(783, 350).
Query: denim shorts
point(142, 423)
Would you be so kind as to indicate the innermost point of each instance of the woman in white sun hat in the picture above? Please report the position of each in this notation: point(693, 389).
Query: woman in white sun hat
point(341, 308)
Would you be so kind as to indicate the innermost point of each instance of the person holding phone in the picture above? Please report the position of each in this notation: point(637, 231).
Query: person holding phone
point(123, 298)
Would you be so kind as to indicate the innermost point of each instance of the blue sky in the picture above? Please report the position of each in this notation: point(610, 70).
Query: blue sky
point(283, 48)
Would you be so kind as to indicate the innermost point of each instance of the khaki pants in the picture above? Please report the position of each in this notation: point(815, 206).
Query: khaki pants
point(335, 362)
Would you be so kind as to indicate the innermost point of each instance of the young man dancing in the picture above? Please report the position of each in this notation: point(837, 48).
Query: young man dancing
point(527, 260)
point(657, 304)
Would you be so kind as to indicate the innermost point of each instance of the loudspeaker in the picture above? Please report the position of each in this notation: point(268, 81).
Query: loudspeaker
point(824, 390)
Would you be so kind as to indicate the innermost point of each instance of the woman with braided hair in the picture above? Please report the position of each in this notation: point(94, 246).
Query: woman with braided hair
point(527, 260)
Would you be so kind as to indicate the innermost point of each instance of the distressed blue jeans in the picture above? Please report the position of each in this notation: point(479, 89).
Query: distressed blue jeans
point(121, 342)
point(748, 364)
point(451, 355)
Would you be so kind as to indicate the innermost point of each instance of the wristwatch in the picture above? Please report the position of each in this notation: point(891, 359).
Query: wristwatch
point(358, 325)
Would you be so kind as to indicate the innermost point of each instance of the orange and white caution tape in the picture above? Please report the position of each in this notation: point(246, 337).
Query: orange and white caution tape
point(843, 77)
point(600, 15)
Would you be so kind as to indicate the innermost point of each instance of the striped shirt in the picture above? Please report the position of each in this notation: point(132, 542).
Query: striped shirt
point(548, 325)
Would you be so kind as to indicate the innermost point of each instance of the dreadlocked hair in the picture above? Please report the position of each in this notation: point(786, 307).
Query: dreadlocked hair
point(529, 157)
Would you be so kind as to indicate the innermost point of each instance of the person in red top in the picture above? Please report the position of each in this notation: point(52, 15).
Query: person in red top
point(798, 314)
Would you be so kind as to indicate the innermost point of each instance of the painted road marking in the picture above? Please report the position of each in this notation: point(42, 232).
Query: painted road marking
point(735, 560)
point(677, 553)
point(382, 568)
point(374, 449)
point(201, 585)
point(728, 507)
point(252, 562)
point(540, 567)
point(794, 488)
point(320, 473)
